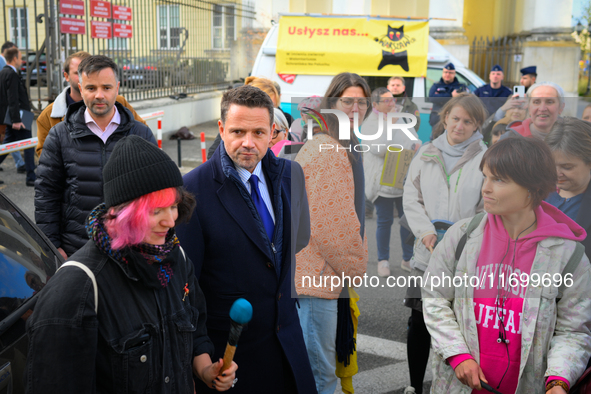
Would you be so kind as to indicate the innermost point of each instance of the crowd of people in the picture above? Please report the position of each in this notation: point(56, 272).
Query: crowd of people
point(155, 260)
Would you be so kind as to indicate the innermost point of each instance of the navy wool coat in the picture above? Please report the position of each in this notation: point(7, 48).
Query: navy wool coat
point(234, 258)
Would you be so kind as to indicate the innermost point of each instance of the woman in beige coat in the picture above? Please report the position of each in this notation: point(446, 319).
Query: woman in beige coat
point(443, 183)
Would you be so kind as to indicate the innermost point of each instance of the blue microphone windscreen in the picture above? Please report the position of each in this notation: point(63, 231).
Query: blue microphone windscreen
point(241, 311)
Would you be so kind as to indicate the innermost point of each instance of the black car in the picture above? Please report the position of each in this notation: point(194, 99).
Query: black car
point(37, 73)
point(27, 261)
point(138, 73)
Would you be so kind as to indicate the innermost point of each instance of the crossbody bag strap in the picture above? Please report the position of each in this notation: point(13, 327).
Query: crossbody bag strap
point(471, 227)
point(570, 267)
point(90, 275)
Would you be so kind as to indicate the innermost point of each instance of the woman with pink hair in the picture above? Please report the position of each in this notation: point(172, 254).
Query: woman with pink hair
point(126, 312)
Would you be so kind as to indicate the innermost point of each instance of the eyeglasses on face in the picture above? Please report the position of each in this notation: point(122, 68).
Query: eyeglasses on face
point(277, 131)
point(387, 101)
point(348, 102)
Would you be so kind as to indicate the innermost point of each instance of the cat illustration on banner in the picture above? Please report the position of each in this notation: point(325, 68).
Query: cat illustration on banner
point(394, 48)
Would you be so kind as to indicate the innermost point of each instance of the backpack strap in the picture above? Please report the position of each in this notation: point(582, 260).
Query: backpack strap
point(471, 227)
point(90, 275)
point(183, 252)
point(570, 267)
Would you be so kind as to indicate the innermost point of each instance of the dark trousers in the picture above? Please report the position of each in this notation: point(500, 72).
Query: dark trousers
point(385, 212)
point(418, 345)
point(17, 135)
point(434, 118)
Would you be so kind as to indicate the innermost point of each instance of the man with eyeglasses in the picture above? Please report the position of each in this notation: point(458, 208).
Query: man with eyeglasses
point(447, 87)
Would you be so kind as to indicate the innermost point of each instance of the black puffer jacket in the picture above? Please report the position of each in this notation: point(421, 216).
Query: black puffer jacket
point(70, 175)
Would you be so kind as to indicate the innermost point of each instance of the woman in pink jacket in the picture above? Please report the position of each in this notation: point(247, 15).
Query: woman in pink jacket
point(518, 315)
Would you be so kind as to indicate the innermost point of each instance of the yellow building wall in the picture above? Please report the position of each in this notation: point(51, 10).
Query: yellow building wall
point(311, 6)
point(487, 18)
point(519, 11)
point(479, 16)
point(145, 28)
point(34, 40)
point(403, 8)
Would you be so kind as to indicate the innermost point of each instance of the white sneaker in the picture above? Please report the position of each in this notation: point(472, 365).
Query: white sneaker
point(384, 268)
point(409, 389)
point(405, 265)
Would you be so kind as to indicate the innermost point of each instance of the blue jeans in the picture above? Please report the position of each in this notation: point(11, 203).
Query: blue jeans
point(318, 318)
point(18, 159)
point(385, 211)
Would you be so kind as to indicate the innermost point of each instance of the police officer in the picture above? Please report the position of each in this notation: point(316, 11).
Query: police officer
point(491, 92)
point(447, 87)
point(528, 76)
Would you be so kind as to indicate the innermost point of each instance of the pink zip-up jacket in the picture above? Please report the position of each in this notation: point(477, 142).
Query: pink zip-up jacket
point(548, 337)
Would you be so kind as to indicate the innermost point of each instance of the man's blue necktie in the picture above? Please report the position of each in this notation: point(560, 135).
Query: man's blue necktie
point(261, 207)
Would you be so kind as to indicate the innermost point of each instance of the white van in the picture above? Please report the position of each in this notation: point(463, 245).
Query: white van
point(308, 85)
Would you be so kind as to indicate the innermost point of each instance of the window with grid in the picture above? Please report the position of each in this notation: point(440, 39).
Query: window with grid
point(169, 23)
point(18, 27)
point(223, 26)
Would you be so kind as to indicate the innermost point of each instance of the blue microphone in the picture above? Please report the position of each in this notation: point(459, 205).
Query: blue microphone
point(240, 314)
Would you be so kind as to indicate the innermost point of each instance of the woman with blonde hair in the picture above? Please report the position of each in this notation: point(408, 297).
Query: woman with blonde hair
point(266, 85)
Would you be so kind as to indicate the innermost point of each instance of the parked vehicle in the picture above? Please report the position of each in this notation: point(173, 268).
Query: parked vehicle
point(416, 88)
point(27, 261)
point(37, 73)
point(138, 73)
point(158, 72)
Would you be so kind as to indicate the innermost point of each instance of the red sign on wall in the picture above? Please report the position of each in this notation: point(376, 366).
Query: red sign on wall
point(121, 30)
point(72, 7)
point(72, 25)
point(100, 29)
point(100, 9)
point(121, 13)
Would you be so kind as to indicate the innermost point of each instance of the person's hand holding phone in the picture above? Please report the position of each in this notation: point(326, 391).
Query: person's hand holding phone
point(519, 90)
point(513, 102)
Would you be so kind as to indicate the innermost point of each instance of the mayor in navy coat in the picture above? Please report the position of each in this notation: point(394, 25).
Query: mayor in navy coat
point(236, 254)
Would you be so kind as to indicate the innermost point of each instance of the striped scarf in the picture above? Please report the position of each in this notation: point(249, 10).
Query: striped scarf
point(155, 255)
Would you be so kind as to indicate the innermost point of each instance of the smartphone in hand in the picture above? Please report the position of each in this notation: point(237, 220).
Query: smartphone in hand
point(519, 90)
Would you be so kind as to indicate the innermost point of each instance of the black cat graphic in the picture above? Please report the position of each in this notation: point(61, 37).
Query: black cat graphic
point(391, 54)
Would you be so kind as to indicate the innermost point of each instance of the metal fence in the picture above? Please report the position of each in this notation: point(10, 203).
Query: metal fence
point(506, 52)
point(174, 47)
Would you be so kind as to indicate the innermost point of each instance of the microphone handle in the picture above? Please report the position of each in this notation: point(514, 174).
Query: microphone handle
point(235, 331)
